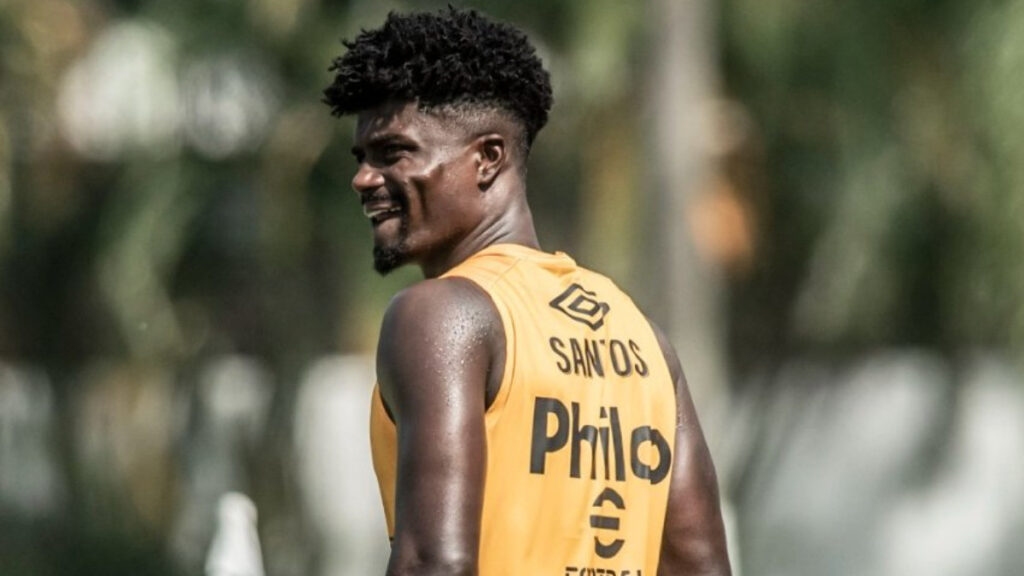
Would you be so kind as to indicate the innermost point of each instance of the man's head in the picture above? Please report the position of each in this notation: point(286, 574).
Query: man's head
point(446, 103)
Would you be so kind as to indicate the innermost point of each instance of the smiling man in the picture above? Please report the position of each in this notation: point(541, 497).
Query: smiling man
point(528, 418)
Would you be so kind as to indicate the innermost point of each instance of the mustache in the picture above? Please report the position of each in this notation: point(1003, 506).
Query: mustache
point(385, 196)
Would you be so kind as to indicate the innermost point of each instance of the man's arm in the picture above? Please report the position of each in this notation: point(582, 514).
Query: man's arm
point(433, 359)
point(694, 539)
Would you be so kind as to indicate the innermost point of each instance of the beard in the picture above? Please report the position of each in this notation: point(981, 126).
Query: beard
point(393, 255)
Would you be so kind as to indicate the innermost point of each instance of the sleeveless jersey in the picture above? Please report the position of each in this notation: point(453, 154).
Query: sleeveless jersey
point(581, 434)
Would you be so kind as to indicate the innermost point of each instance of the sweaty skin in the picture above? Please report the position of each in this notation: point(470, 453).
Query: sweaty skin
point(694, 538)
point(437, 351)
point(440, 357)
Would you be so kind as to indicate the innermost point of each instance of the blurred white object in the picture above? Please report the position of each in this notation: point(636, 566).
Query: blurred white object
point(227, 417)
point(123, 95)
point(235, 550)
point(30, 483)
point(334, 467)
point(230, 101)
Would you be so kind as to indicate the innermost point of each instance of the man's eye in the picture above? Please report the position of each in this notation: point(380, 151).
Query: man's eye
point(392, 152)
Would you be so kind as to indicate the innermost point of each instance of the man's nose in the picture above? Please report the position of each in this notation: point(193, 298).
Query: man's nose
point(367, 179)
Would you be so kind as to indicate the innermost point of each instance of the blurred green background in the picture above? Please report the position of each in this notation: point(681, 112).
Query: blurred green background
point(822, 202)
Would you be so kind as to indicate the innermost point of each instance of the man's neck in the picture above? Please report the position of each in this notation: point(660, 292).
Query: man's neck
point(514, 226)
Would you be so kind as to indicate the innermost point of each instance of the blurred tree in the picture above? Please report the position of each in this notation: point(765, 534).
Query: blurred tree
point(885, 199)
point(828, 178)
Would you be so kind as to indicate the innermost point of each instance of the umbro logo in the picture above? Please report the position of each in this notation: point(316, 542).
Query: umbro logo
point(582, 306)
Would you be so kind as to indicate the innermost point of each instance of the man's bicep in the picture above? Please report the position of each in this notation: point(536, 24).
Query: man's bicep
point(431, 372)
point(439, 491)
point(694, 535)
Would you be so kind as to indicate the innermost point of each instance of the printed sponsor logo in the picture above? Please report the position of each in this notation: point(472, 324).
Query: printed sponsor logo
point(558, 428)
point(582, 306)
point(605, 441)
point(607, 523)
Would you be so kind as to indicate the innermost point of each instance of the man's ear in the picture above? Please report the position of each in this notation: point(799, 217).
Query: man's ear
point(492, 158)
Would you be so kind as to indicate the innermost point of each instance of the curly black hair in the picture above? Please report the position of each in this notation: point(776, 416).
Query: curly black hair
point(452, 57)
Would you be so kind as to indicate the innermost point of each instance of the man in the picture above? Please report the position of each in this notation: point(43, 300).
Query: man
point(528, 419)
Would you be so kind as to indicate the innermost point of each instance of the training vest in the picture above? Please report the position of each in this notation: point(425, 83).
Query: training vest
point(581, 434)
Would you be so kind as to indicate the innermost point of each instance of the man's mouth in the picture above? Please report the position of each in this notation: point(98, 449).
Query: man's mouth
point(379, 212)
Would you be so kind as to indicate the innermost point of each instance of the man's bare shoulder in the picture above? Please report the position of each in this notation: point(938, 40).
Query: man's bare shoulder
point(432, 333)
point(439, 299)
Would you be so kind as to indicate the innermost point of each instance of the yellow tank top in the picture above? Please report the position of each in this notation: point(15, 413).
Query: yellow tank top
point(581, 434)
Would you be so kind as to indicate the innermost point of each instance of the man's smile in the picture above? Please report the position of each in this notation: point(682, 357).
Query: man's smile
point(380, 210)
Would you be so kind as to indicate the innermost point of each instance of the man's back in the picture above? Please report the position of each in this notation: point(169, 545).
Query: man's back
point(580, 433)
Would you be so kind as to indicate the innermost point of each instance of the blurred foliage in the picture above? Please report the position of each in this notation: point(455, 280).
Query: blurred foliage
point(172, 190)
point(882, 173)
point(196, 201)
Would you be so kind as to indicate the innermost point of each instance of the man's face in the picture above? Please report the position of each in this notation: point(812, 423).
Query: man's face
point(416, 182)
